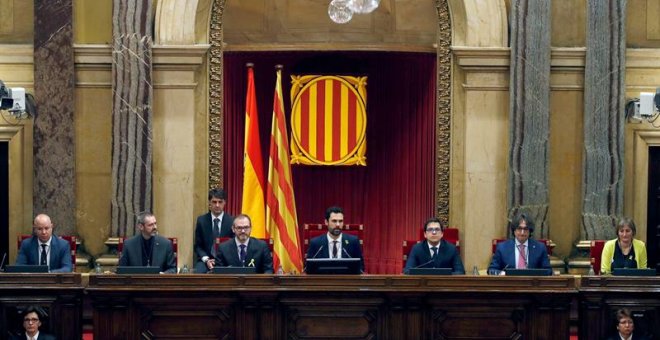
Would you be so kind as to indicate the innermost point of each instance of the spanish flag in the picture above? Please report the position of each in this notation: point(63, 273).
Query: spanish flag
point(282, 221)
point(253, 169)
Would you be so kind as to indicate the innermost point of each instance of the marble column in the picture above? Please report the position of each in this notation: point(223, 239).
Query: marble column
point(54, 130)
point(132, 113)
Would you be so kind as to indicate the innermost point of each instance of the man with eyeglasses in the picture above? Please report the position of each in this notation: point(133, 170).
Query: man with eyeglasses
point(521, 252)
point(31, 323)
point(335, 244)
point(147, 248)
point(44, 248)
point(243, 250)
point(434, 252)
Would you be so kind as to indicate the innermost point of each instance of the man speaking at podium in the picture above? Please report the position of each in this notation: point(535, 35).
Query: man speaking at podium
point(434, 252)
point(522, 252)
point(335, 244)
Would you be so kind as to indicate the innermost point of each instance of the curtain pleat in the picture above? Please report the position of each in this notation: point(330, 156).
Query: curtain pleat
point(394, 194)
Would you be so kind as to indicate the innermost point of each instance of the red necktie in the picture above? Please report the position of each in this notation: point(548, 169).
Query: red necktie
point(522, 264)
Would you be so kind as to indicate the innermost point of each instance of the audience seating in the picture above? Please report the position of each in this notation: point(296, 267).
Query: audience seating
point(175, 248)
point(72, 239)
point(596, 252)
point(312, 230)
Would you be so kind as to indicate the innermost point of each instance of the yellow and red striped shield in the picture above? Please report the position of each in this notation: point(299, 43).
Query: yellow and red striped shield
point(328, 120)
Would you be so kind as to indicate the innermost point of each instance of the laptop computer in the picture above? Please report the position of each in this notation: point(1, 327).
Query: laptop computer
point(633, 272)
point(138, 270)
point(333, 266)
point(429, 271)
point(529, 272)
point(20, 268)
point(234, 270)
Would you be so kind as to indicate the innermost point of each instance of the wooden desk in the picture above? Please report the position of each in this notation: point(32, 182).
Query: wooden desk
point(601, 296)
point(59, 294)
point(346, 307)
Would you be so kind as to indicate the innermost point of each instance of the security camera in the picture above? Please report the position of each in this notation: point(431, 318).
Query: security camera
point(17, 101)
point(656, 99)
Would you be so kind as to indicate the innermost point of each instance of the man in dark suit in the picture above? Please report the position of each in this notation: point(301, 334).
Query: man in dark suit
point(148, 248)
point(31, 322)
point(434, 252)
point(243, 250)
point(520, 252)
point(335, 244)
point(215, 223)
point(43, 248)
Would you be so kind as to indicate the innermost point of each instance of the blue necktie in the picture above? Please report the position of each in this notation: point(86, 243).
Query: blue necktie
point(44, 255)
point(242, 254)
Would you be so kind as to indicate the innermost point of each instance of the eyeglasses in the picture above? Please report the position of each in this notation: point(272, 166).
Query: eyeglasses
point(31, 320)
point(626, 322)
point(522, 229)
point(242, 228)
point(433, 230)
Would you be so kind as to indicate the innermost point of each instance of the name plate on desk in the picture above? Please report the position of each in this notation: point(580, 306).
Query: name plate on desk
point(333, 266)
point(429, 271)
point(234, 270)
point(26, 269)
point(633, 272)
point(138, 270)
point(529, 272)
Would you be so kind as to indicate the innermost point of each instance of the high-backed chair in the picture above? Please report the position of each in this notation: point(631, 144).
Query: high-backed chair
point(312, 230)
point(69, 238)
point(407, 247)
point(175, 248)
point(451, 236)
point(596, 252)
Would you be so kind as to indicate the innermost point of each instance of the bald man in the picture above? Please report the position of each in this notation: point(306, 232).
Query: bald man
point(44, 248)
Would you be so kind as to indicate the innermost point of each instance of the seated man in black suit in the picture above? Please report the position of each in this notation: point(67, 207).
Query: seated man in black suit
point(216, 223)
point(434, 252)
point(148, 248)
point(335, 244)
point(32, 317)
point(44, 248)
point(243, 250)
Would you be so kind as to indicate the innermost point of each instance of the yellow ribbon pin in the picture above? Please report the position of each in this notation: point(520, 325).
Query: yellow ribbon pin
point(251, 264)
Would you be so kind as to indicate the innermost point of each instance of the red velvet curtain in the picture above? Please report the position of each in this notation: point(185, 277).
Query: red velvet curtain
point(394, 194)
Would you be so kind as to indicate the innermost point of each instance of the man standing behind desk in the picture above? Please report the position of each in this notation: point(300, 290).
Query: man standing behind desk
point(43, 248)
point(148, 248)
point(434, 252)
point(245, 251)
point(335, 244)
point(215, 223)
point(521, 252)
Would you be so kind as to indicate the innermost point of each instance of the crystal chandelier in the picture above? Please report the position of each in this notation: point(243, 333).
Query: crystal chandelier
point(341, 11)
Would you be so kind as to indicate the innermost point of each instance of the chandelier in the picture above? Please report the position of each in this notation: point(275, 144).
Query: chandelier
point(341, 11)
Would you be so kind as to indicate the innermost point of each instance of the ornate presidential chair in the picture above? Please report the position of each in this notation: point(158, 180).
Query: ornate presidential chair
point(596, 252)
point(175, 248)
point(312, 230)
point(69, 238)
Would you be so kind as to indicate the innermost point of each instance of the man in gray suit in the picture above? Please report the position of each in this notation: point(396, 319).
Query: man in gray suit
point(148, 248)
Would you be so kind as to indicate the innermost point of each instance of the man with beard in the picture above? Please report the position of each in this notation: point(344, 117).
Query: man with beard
point(148, 248)
point(335, 244)
point(243, 250)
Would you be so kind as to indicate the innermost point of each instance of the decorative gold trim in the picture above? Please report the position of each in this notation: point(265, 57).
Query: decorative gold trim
point(216, 114)
point(443, 111)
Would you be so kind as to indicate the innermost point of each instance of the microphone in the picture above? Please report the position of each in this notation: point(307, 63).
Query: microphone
point(318, 251)
point(2, 263)
point(313, 257)
point(425, 263)
point(345, 252)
